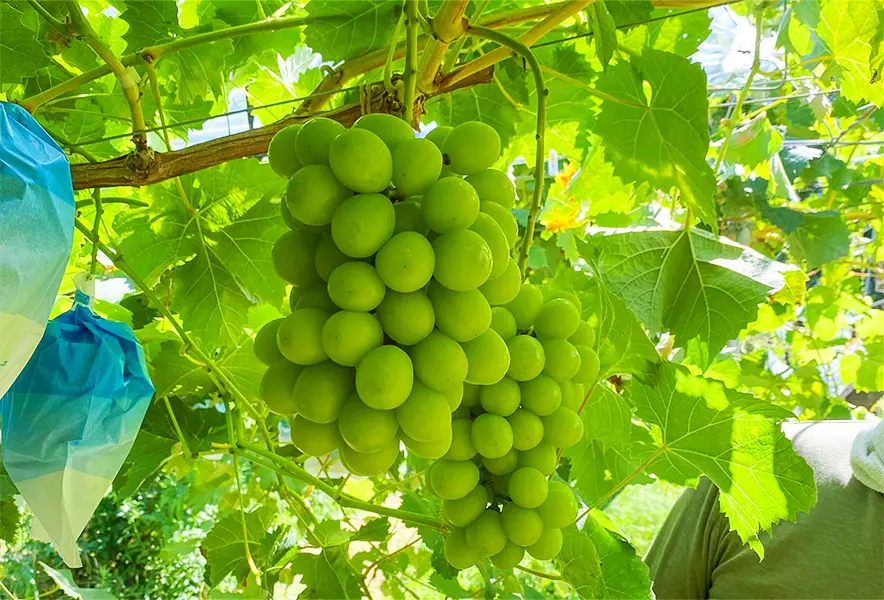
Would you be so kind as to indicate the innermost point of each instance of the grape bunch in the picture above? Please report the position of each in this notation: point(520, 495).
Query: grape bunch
point(493, 479)
point(397, 247)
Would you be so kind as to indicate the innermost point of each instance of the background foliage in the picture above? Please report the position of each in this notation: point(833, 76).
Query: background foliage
point(758, 122)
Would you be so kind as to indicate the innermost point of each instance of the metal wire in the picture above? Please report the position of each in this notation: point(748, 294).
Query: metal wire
point(774, 98)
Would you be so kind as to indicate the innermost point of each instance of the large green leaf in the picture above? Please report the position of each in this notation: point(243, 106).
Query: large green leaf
point(150, 23)
point(754, 144)
point(581, 565)
point(659, 135)
point(347, 28)
point(815, 238)
point(224, 546)
point(732, 438)
point(21, 55)
point(607, 418)
point(10, 519)
point(848, 27)
point(327, 575)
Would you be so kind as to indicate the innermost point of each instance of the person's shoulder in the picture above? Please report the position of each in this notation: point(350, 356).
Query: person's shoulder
point(826, 445)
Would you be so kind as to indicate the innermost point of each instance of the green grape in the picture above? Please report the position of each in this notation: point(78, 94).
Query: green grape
point(504, 218)
point(549, 295)
point(470, 395)
point(361, 161)
point(265, 347)
point(449, 204)
point(492, 435)
point(471, 147)
point(584, 336)
point(293, 257)
point(526, 306)
point(486, 534)
point(438, 135)
point(287, 218)
point(281, 151)
point(313, 297)
point(501, 398)
point(453, 479)
point(454, 396)
point(541, 395)
point(462, 316)
point(392, 130)
point(321, 391)
point(563, 428)
point(366, 429)
point(424, 414)
point(458, 552)
point(502, 464)
point(464, 511)
point(314, 193)
point(523, 526)
point(348, 336)
point(357, 286)
point(463, 260)
point(406, 262)
point(503, 322)
point(504, 288)
point(528, 487)
point(277, 387)
point(328, 257)
point(315, 439)
point(527, 429)
point(488, 358)
point(385, 377)
point(461, 441)
point(406, 318)
point(409, 218)
point(493, 186)
point(541, 457)
point(299, 336)
point(562, 359)
point(315, 138)
point(439, 361)
point(509, 557)
point(362, 224)
point(417, 163)
point(431, 450)
point(369, 464)
point(557, 319)
point(572, 394)
point(589, 365)
point(560, 507)
point(497, 243)
point(548, 546)
point(526, 358)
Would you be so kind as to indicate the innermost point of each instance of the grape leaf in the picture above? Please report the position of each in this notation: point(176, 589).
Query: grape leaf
point(171, 372)
point(607, 418)
point(815, 238)
point(661, 139)
point(580, 564)
point(680, 34)
point(150, 23)
point(347, 28)
point(753, 144)
point(21, 56)
point(326, 575)
point(629, 11)
point(66, 584)
point(224, 545)
point(848, 28)
point(10, 519)
point(598, 471)
point(732, 438)
point(870, 371)
point(374, 530)
point(694, 285)
point(148, 454)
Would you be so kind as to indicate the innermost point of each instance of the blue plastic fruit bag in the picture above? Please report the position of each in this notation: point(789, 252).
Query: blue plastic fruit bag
point(70, 419)
point(36, 233)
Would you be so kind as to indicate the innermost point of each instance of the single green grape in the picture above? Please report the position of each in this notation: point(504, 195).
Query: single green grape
point(314, 193)
point(493, 186)
point(557, 319)
point(348, 336)
point(527, 429)
point(523, 526)
point(560, 507)
point(277, 387)
point(439, 362)
point(370, 464)
point(461, 440)
point(562, 359)
point(509, 557)
point(471, 147)
point(265, 347)
point(563, 428)
point(392, 130)
point(356, 285)
point(294, 255)
point(361, 161)
point(488, 358)
point(313, 297)
point(486, 533)
point(321, 391)
point(589, 365)
point(315, 439)
point(552, 294)
point(463, 260)
point(406, 318)
point(385, 377)
point(406, 262)
point(502, 464)
point(528, 487)
point(464, 511)
point(504, 218)
point(409, 217)
point(493, 235)
point(299, 336)
point(502, 398)
point(584, 336)
point(315, 138)
point(452, 480)
point(503, 322)
point(438, 135)
point(504, 288)
point(548, 546)
point(458, 552)
point(492, 435)
point(287, 218)
point(526, 305)
point(449, 204)
point(572, 394)
point(541, 457)
point(417, 164)
point(462, 316)
point(526, 358)
point(328, 256)
point(362, 224)
point(424, 414)
point(366, 429)
point(281, 152)
point(541, 395)
point(431, 450)
point(454, 396)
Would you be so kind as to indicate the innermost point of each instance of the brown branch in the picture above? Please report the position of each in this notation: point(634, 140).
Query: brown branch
point(448, 25)
point(129, 170)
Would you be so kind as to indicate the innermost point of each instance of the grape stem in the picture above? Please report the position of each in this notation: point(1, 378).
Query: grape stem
point(539, 162)
point(409, 78)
